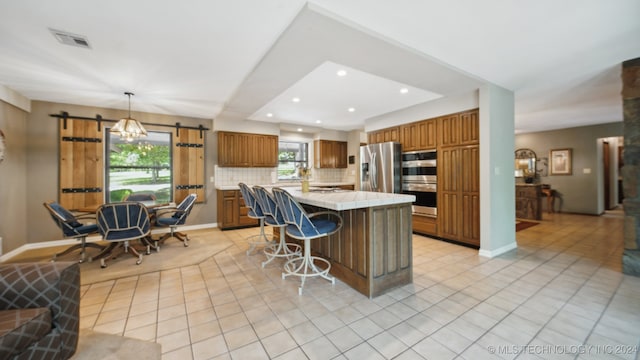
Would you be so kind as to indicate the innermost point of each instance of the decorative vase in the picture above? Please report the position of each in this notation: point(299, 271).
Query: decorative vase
point(305, 186)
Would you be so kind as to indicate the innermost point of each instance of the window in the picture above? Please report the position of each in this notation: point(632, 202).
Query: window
point(139, 167)
point(291, 155)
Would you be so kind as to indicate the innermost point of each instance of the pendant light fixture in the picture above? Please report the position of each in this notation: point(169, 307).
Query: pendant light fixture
point(128, 128)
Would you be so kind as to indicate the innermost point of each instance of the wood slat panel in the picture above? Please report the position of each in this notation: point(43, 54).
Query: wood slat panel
point(392, 245)
point(188, 164)
point(81, 164)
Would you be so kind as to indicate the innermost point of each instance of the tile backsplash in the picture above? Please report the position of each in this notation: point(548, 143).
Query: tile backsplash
point(225, 176)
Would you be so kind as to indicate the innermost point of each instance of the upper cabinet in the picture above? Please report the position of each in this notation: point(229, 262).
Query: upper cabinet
point(330, 154)
point(459, 129)
point(421, 135)
point(265, 152)
point(384, 135)
point(247, 150)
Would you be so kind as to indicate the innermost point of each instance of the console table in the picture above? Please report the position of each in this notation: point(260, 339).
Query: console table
point(529, 201)
point(551, 198)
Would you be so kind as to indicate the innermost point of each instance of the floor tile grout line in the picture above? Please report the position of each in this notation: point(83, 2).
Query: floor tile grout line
point(510, 312)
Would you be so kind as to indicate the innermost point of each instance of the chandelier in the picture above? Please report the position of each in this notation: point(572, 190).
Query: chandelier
point(129, 128)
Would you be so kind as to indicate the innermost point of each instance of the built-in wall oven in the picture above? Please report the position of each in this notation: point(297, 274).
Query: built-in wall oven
point(419, 178)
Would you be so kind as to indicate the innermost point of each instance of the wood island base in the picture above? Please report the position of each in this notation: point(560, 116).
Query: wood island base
point(372, 252)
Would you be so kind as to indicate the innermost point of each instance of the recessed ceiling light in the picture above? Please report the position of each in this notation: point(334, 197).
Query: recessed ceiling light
point(404, 91)
point(351, 109)
point(296, 99)
point(318, 121)
point(342, 72)
point(299, 129)
point(269, 115)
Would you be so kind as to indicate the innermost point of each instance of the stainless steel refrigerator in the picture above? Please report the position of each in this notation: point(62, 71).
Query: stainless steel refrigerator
point(381, 167)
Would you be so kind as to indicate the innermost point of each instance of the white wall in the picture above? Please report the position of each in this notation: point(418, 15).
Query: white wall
point(497, 183)
point(246, 126)
point(428, 110)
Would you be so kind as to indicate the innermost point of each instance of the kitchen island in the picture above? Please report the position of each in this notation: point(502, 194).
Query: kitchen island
point(372, 252)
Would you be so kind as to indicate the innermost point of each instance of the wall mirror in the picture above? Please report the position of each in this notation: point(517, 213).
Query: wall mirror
point(525, 165)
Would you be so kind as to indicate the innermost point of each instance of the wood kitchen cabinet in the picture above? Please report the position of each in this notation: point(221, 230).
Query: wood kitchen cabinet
point(384, 135)
point(459, 194)
point(421, 135)
point(232, 211)
point(459, 129)
point(330, 154)
point(247, 150)
point(425, 225)
point(265, 151)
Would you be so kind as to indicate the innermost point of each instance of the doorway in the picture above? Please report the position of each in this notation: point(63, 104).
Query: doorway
point(610, 190)
point(606, 166)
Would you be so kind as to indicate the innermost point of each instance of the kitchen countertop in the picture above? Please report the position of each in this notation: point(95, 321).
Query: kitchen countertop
point(347, 199)
point(336, 199)
point(287, 185)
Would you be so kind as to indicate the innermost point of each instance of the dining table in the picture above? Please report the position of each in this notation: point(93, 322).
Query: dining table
point(151, 205)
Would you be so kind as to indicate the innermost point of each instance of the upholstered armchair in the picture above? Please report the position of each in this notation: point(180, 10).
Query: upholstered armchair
point(72, 226)
point(172, 217)
point(39, 310)
point(120, 223)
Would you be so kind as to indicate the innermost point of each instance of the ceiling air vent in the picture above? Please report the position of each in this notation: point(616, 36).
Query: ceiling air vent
point(71, 39)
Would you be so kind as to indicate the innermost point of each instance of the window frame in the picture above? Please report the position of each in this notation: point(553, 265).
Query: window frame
point(297, 163)
point(107, 163)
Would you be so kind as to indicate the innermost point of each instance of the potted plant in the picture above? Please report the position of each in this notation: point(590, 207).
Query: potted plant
point(304, 173)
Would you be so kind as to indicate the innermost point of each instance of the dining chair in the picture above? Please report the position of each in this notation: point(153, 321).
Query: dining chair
point(120, 223)
point(172, 217)
point(304, 226)
point(274, 218)
point(72, 228)
point(255, 212)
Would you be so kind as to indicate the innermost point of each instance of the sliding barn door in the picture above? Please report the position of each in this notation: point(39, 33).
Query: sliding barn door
point(81, 164)
point(188, 164)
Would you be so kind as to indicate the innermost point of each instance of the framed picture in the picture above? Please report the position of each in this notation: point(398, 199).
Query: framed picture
point(560, 162)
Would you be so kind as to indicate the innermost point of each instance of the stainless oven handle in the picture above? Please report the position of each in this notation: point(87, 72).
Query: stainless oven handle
point(419, 187)
point(419, 163)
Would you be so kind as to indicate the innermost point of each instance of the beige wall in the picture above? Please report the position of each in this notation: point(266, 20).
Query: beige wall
point(13, 178)
point(40, 164)
point(579, 192)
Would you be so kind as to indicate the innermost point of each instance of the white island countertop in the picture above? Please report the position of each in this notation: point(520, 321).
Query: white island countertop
point(289, 184)
point(347, 200)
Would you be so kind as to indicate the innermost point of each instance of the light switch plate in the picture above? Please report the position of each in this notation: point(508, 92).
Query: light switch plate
point(586, 171)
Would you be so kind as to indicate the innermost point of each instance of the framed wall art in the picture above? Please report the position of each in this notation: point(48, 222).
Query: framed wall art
point(560, 162)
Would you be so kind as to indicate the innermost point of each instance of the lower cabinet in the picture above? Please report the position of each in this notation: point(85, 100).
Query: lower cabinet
point(232, 211)
point(425, 225)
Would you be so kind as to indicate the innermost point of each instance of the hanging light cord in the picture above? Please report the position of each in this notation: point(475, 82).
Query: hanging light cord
point(129, 95)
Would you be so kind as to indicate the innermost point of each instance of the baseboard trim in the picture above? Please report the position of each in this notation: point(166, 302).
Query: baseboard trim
point(94, 238)
point(498, 251)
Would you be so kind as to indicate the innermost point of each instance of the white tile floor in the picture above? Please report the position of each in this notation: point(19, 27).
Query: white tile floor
point(560, 295)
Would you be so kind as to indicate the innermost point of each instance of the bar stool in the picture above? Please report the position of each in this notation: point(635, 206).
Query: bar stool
point(255, 212)
point(274, 218)
point(306, 227)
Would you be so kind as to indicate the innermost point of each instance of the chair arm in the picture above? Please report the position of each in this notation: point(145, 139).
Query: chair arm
point(54, 285)
point(86, 216)
point(330, 214)
point(168, 211)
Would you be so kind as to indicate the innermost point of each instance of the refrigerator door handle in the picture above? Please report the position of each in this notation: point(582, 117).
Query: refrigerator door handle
point(374, 172)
